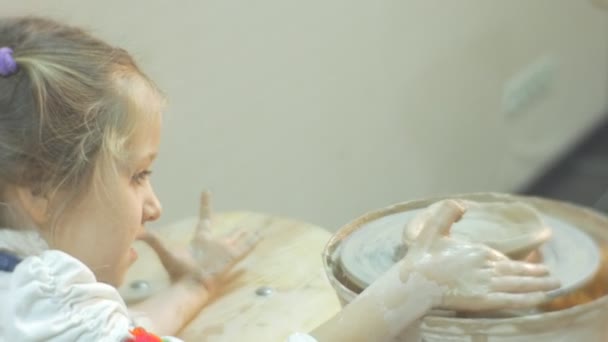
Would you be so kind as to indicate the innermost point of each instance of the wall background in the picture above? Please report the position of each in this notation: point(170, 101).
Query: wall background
point(322, 110)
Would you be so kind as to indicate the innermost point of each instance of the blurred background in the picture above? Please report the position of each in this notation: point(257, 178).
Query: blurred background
point(322, 110)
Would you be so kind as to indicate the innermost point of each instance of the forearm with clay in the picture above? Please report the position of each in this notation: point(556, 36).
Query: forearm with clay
point(384, 309)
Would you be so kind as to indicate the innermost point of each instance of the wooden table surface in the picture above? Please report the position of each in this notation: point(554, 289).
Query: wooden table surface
point(287, 261)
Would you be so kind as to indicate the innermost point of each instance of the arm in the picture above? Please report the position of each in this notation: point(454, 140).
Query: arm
point(382, 311)
point(171, 309)
point(195, 274)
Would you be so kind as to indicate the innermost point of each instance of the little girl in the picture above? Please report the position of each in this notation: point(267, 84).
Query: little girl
point(79, 131)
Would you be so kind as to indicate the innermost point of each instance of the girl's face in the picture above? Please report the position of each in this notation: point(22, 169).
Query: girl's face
point(100, 229)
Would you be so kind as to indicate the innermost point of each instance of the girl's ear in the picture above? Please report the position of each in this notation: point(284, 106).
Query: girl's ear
point(34, 204)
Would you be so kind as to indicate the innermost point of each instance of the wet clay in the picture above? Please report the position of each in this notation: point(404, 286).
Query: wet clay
point(513, 228)
point(584, 322)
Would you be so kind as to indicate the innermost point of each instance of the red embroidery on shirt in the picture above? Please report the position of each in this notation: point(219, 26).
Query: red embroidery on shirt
point(141, 335)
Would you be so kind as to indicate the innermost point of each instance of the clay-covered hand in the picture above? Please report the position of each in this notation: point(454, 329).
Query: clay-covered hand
point(471, 276)
point(210, 258)
point(216, 255)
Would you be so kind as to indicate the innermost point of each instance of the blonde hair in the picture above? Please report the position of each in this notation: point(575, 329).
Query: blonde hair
point(74, 102)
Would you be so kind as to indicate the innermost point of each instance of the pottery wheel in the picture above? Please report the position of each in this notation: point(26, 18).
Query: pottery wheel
point(570, 254)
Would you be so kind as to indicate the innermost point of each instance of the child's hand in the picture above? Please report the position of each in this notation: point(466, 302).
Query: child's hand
point(215, 256)
point(210, 258)
point(472, 276)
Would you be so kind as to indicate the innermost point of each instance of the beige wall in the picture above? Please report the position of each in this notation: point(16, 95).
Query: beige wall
point(323, 109)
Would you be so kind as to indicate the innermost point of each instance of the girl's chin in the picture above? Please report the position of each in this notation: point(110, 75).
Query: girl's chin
point(117, 277)
point(115, 281)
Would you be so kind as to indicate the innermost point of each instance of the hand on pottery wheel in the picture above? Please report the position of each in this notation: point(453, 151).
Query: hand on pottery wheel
point(472, 276)
point(210, 258)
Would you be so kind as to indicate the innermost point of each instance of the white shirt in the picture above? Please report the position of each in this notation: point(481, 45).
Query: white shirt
point(53, 297)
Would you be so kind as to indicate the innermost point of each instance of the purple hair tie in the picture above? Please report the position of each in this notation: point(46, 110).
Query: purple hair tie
point(8, 64)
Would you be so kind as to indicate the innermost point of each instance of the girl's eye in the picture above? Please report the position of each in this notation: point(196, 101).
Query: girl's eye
point(141, 176)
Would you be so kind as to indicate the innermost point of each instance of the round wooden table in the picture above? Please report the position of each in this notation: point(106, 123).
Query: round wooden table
point(280, 288)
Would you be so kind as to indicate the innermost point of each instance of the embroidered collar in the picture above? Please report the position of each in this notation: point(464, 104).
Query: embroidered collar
point(15, 245)
point(8, 262)
point(21, 243)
